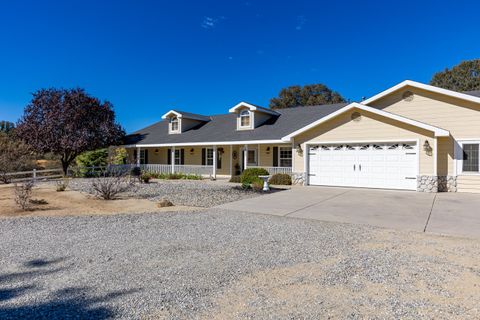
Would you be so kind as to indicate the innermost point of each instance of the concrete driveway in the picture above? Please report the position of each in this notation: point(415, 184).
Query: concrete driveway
point(445, 213)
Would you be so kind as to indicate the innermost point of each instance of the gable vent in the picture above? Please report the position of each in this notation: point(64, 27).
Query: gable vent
point(407, 96)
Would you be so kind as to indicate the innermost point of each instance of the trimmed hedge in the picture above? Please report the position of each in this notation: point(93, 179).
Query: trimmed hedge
point(281, 179)
point(250, 175)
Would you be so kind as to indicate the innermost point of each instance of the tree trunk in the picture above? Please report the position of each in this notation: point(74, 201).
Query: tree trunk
point(65, 165)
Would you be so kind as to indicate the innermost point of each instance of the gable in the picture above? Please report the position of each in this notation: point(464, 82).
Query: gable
point(459, 116)
point(368, 127)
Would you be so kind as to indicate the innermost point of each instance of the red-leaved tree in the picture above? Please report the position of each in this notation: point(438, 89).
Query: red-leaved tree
point(67, 123)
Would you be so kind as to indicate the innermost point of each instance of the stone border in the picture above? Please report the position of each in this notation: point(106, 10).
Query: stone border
point(436, 183)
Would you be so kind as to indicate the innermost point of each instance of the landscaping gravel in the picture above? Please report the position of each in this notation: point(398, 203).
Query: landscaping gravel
point(195, 193)
point(222, 264)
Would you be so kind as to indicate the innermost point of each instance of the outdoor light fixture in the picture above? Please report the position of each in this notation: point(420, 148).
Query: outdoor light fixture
point(299, 150)
point(268, 150)
point(426, 146)
point(156, 151)
point(192, 151)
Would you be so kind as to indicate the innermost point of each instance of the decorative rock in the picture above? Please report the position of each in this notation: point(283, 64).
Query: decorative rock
point(164, 203)
point(427, 183)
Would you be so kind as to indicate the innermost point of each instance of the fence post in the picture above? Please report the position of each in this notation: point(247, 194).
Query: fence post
point(34, 175)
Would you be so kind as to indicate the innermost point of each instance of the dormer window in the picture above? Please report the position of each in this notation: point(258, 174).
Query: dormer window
point(174, 127)
point(245, 119)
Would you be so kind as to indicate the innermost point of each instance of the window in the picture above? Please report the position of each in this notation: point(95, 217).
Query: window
point(285, 157)
point(178, 157)
point(245, 119)
point(174, 124)
point(209, 157)
point(470, 157)
point(252, 157)
point(142, 156)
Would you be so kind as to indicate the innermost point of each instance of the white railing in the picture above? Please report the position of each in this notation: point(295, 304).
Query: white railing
point(157, 168)
point(194, 169)
point(275, 170)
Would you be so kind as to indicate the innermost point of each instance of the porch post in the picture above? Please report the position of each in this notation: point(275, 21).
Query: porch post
point(172, 158)
point(214, 169)
point(258, 155)
point(138, 156)
point(245, 157)
point(435, 157)
point(231, 160)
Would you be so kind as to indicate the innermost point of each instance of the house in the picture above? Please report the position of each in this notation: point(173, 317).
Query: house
point(411, 136)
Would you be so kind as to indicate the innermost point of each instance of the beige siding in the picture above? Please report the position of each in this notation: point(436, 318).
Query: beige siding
point(468, 183)
point(460, 117)
point(265, 154)
point(371, 127)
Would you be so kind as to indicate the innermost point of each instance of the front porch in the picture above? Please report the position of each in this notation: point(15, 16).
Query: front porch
point(213, 160)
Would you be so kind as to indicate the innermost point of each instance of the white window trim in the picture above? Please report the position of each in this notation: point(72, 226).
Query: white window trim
point(251, 118)
point(170, 125)
point(206, 156)
point(280, 158)
point(142, 156)
point(459, 157)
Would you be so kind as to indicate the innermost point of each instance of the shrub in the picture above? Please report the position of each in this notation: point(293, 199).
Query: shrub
point(23, 195)
point(193, 177)
point(146, 177)
point(257, 184)
point(15, 155)
point(95, 158)
point(281, 179)
point(108, 187)
point(249, 175)
point(62, 184)
point(235, 179)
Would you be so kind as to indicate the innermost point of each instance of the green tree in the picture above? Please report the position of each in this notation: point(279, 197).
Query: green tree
point(15, 156)
point(462, 77)
point(308, 95)
point(6, 126)
point(95, 158)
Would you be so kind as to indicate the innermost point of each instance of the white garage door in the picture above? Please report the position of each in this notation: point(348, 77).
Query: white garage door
point(370, 165)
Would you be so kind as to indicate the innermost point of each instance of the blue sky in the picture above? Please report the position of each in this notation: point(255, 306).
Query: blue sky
point(147, 57)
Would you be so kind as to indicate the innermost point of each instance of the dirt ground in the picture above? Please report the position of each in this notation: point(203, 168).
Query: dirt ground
point(430, 276)
point(74, 203)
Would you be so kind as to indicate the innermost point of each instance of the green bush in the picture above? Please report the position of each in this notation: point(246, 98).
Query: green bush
point(174, 176)
point(281, 179)
point(235, 179)
point(95, 158)
point(251, 174)
point(146, 177)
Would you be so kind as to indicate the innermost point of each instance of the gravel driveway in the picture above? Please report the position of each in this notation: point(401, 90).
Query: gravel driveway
point(194, 193)
point(226, 264)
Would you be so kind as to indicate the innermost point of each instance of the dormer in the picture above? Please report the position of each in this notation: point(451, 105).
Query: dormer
point(179, 121)
point(250, 116)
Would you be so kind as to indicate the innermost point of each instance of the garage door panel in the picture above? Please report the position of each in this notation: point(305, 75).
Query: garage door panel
point(372, 165)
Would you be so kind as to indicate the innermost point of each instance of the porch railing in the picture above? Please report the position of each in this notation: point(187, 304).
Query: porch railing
point(275, 170)
point(167, 168)
point(194, 169)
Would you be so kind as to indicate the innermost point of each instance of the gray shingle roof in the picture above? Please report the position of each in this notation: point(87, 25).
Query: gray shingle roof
point(194, 116)
point(475, 93)
point(223, 127)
